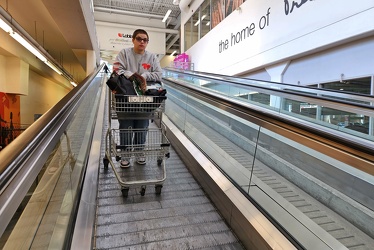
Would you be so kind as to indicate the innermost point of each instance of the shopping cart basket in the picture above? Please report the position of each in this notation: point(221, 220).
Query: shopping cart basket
point(155, 149)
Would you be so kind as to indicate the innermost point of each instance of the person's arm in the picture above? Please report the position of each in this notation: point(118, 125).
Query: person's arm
point(155, 72)
point(120, 64)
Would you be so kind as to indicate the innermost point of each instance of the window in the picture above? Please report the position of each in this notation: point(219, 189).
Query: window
point(357, 85)
point(209, 14)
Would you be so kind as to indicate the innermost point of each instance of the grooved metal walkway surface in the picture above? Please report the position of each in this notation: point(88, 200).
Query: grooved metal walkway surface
point(342, 230)
point(181, 217)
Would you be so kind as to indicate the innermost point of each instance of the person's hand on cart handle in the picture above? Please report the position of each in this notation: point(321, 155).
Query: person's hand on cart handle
point(139, 81)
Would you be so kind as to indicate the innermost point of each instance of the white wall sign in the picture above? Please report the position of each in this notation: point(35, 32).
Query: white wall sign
point(115, 39)
point(265, 32)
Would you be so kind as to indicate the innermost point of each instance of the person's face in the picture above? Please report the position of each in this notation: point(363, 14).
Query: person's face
point(140, 42)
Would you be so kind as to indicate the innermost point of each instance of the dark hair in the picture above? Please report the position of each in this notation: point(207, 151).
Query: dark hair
point(139, 31)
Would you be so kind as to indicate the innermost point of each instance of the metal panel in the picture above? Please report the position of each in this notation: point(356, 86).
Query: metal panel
point(156, 7)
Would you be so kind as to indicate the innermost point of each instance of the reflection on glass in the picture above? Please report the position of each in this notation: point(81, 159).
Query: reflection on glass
point(269, 98)
point(43, 219)
point(209, 15)
point(264, 164)
point(188, 34)
point(231, 5)
point(218, 13)
point(358, 85)
point(207, 127)
point(42, 200)
point(195, 27)
point(205, 18)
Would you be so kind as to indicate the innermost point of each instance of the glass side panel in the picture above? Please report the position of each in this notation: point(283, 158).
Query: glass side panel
point(293, 101)
point(358, 85)
point(294, 183)
point(43, 218)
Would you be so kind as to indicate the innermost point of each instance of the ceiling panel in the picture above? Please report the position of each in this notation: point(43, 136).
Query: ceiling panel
point(144, 8)
point(155, 7)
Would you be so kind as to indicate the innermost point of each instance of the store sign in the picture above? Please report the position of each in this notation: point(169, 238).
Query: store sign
point(256, 26)
point(121, 39)
point(264, 32)
point(115, 39)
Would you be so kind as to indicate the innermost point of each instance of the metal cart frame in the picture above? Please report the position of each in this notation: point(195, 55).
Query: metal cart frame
point(155, 148)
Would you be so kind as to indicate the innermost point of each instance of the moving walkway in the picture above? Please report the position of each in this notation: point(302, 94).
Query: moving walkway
point(267, 176)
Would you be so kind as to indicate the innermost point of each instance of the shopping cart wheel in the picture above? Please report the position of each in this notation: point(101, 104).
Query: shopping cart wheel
point(142, 190)
point(158, 189)
point(118, 158)
point(106, 162)
point(159, 161)
point(125, 191)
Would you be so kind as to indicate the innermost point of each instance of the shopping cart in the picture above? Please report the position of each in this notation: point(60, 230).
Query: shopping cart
point(155, 149)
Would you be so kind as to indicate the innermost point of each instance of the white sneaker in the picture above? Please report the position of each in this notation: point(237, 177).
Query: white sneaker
point(140, 160)
point(124, 163)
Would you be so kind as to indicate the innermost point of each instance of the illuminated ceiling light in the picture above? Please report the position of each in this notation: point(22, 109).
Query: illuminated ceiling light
point(53, 67)
point(207, 24)
point(27, 45)
point(5, 26)
point(21, 40)
point(247, 93)
point(19, 37)
point(166, 16)
point(198, 21)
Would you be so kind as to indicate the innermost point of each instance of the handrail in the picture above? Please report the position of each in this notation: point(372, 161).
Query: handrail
point(350, 141)
point(85, 219)
point(279, 87)
point(25, 156)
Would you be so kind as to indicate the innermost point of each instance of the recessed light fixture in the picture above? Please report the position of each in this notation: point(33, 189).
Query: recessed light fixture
point(17, 35)
point(166, 16)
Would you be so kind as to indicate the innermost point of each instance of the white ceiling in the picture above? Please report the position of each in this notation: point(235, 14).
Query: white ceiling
point(150, 9)
point(58, 26)
point(153, 7)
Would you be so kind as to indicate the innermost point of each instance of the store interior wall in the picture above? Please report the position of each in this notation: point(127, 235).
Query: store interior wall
point(351, 60)
point(43, 95)
point(278, 36)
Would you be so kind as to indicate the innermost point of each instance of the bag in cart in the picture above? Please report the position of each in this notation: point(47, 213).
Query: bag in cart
point(119, 84)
